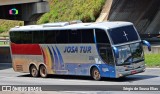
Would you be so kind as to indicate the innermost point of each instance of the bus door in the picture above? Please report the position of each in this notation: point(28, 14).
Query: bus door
point(105, 50)
point(107, 56)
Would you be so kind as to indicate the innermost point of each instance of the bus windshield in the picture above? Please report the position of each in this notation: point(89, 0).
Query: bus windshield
point(123, 34)
point(130, 53)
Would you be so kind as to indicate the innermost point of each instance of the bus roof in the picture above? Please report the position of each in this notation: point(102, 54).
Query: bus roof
point(66, 25)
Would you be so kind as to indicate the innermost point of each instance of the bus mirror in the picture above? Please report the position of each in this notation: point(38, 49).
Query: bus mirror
point(116, 52)
point(147, 44)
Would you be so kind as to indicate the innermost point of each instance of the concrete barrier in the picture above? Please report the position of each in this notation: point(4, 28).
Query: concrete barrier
point(154, 50)
point(145, 14)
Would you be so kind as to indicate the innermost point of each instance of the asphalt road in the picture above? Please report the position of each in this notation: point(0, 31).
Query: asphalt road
point(68, 84)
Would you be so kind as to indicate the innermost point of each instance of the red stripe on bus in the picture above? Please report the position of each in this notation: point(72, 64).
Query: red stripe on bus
point(44, 56)
point(26, 49)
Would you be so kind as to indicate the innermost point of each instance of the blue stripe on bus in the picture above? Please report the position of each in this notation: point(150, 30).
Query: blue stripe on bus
point(95, 40)
point(52, 58)
point(60, 58)
point(55, 59)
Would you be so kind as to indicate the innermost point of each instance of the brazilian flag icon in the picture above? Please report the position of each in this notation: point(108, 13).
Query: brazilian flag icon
point(13, 11)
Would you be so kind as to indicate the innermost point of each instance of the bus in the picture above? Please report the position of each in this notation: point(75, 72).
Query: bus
point(105, 49)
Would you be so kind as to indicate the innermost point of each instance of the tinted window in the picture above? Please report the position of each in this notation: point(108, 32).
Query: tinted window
point(15, 37)
point(87, 36)
point(105, 52)
point(38, 37)
point(101, 36)
point(26, 37)
point(75, 36)
point(49, 37)
point(56, 36)
point(104, 47)
point(123, 34)
point(62, 36)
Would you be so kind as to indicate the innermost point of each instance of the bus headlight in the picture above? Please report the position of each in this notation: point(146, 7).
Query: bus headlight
point(120, 75)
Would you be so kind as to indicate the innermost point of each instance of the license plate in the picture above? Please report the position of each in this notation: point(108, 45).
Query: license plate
point(133, 72)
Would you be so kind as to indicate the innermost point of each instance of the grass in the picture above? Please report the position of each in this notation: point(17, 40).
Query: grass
point(152, 60)
point(5, 25)
point(67, 10)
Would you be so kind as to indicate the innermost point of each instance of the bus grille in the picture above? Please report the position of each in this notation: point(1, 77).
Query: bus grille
point(19, 68)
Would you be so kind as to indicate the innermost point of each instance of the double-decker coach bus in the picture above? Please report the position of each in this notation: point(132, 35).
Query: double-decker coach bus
point(106, 49)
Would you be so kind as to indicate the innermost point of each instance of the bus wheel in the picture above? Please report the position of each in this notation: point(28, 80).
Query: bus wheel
point(43, 71)
point(34, 71)
point(96, 74)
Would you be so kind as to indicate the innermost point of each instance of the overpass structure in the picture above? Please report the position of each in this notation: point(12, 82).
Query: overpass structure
point(23, 10)
point(145, 14)
point(11, 2)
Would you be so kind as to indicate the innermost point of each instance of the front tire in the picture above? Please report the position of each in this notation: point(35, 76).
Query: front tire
point(95, 74)
point(43, 71)
point(34, 71)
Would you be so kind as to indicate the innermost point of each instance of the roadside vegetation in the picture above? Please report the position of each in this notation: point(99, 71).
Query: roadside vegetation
point(5, 25)
point(152, 60)
point(67, 10)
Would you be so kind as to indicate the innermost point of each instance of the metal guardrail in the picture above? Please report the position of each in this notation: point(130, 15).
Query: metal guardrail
point(4, 40)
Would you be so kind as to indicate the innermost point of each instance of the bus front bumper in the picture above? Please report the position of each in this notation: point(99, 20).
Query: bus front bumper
point(130, 72)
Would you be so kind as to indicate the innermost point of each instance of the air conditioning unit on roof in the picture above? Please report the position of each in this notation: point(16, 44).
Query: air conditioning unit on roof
point(61, 24)
point(58, 24)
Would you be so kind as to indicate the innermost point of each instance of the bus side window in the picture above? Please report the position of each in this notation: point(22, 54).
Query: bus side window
point(62, 36)
point(102, 37)
point(87, 36)
point(103, 46)
point(49, 37)
point(75, 36)
point(26, 37)
point(38, 37)
point(15, 37)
